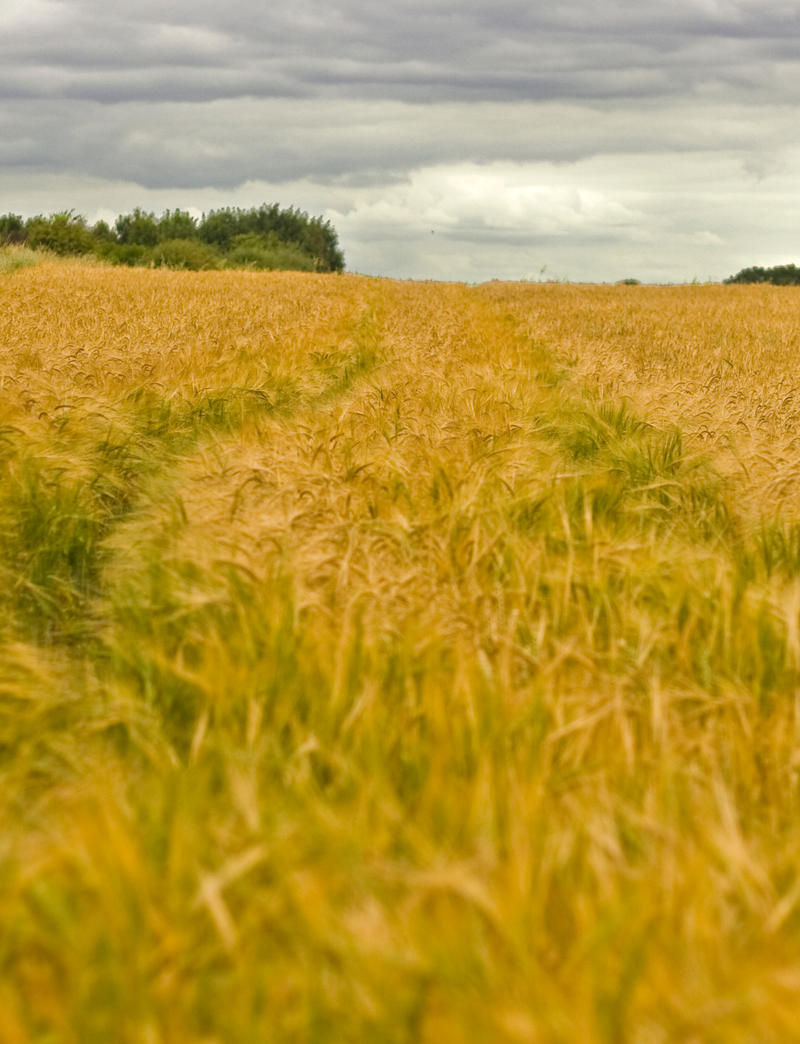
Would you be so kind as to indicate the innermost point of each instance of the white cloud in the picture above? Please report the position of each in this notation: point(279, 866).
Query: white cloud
point(17, 16)
point(496, 201)
point(189, 40)
point(453, 138)
point(601, 218)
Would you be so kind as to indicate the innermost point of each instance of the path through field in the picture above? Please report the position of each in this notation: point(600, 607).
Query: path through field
point(397, 662)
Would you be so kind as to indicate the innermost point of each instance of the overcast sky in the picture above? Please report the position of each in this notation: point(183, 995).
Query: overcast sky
point(456, 139)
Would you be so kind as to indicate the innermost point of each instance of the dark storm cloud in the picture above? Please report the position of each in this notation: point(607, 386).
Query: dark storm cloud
point(204, 93)
point(507, 126)
point(433, 51)
point(225, 142)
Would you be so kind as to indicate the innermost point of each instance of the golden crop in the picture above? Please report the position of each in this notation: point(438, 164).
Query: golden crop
point(385, 661)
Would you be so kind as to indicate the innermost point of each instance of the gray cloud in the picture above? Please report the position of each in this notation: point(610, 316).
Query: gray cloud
point(226, 141)
point(433, 51)
point(479, 134)
point(203, 93)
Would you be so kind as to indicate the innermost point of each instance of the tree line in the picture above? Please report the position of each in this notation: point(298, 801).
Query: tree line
point(265, 237)
point(779, 275)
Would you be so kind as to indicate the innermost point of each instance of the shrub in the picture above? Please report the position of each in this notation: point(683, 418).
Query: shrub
point(268, 253)
point(12, 229)
point(122, 253)
point(63, 233)
point(176, 224)
point(138, 228)
point(102, 232)
point(315, 238)
point(779, 275)
point(185, 253)
point(265, 237)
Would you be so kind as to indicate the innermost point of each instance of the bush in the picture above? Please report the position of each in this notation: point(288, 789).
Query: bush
point(265, 237)
point(313, 237)
point(780, 275)
point(176, 224)
point(268, 253)
point(122, 253)
point(185, 253)
point(12, 229)
point(137, 229)
point(102, 233)
point(64, 233)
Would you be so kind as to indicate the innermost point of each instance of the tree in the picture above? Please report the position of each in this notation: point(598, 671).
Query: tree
point(63, 233)
point(137, 229)
point(12, 228)
point(779, 275)
point(176, 224)
point(262, 237)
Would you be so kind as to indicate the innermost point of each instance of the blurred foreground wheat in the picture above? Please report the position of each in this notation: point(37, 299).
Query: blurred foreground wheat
point(395, 662)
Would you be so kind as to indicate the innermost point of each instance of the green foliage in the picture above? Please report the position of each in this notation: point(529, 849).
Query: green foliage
point(267, 252)
point(779, 275)
point(138, 228)
point(63, 233)
point(313, 236)
point(51, 548)
point(103, 233)
point(176, 224)
point(13, 258)
point(122, 253)
point(184, 253)
point(221, 226)
point(12, 228)
point(265, 237)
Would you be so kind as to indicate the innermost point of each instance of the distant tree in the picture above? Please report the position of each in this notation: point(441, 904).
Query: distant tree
point(12, 229)
point(779, 275)
point(137, 229)
point(220, 227)
point(176, 224)
point(269, 253)
point(63, 233)
point(320, 240)
point(184, 253)
point(265, 237)
point(124, 253)
point(103, 233)
point(312, 236)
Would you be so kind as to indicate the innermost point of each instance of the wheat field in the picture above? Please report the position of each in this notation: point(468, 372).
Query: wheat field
point(388, 661)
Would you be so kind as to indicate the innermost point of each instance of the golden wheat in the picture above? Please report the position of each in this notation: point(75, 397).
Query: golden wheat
point(721, 361)
point(393, 661)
